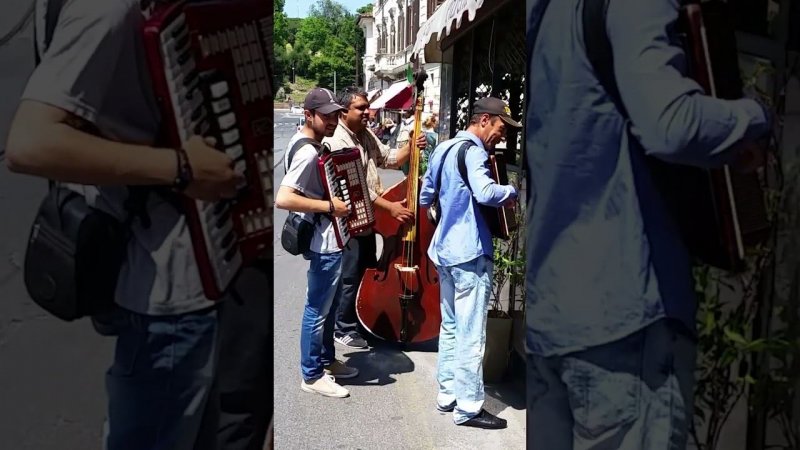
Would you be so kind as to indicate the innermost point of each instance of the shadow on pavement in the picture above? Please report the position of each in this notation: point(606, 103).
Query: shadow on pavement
point(377, 365)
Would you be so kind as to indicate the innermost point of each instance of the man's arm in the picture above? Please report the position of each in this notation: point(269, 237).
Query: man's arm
point(49, 142)
point(485, 190)
point(289, 199)
point(427, 190)
point(670, 115)
point(291, 193)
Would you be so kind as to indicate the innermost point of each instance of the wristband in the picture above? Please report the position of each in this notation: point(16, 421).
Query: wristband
point(330, 207)
point(184, 174)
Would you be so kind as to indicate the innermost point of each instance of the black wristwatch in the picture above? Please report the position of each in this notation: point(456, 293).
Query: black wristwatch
point(184, 174)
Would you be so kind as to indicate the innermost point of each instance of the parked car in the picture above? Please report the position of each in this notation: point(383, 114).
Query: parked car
point(296, 110)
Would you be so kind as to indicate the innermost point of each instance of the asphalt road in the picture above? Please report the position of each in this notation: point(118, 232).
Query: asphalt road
point(52, 393)
point(391, 403)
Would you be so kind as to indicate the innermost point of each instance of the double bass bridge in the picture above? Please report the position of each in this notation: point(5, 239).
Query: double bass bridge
point(406, 269)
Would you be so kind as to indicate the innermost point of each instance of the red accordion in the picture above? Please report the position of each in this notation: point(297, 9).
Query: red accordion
point(343, 176)
point(720, 212)
point(503, 221)
point(211, 73)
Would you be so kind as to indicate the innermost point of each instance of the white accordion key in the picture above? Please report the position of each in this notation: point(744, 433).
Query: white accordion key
point(230, 137)
point(226, 121)
point(235, 152)
point(219, 89)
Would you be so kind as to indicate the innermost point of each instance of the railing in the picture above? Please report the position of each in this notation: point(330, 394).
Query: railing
point(393, 60)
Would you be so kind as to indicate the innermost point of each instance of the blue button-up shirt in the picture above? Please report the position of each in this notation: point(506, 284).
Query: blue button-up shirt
point(604, 258)
point(462, 234)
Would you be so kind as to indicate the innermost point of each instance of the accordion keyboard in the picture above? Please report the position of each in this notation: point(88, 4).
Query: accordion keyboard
point(212, 79)
point(346, 179)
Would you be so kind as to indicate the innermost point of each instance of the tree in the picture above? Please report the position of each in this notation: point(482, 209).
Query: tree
point(327, 41)
point(366, 9)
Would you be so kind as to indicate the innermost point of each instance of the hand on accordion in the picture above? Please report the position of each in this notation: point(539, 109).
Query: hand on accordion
point(212, 171)
point(751, 155)
point(340, 209)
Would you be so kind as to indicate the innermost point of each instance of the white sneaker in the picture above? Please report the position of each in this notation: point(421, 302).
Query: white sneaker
point(325, 385)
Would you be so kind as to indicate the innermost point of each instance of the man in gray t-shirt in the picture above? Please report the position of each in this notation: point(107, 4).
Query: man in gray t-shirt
point(302, 191)
point(88, 116)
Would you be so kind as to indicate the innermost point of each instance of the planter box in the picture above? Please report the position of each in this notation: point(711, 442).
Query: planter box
point(498, 335)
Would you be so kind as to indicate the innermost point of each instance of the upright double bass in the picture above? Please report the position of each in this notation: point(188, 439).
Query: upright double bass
point(398, 301)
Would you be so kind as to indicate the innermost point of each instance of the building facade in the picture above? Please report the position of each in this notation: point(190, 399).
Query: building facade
point(390, 32)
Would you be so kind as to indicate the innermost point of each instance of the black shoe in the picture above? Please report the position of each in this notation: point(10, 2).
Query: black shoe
point(352, 339)
point(447, 408)
point(486, 421)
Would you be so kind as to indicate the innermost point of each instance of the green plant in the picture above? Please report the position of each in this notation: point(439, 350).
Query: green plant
point(736, 361)
point(509, 264)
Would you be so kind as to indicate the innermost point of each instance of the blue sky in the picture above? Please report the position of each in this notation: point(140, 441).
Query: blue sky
point(293, 6)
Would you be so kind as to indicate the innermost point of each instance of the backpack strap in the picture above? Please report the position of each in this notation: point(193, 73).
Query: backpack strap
point(297, 145)
point(135, 203)
point(462, 163)
point(50, 22)
point(598, 49)
point(438, 178)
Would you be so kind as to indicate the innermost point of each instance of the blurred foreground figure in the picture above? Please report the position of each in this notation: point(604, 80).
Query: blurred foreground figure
point(610, 299)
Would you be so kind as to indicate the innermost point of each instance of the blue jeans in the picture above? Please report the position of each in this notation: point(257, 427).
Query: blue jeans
point(161, 379)
point(465, 291)
point(634, 393)
point(316, 334)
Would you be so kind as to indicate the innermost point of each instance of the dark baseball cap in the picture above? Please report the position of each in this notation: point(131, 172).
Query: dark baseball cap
point(322, 100)
point(495, 107)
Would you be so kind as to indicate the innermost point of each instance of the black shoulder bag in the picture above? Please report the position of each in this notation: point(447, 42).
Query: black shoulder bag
point(297, 233)
point(75, 252)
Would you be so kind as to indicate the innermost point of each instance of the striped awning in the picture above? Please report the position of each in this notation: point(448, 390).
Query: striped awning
point(394, 96)
point(442, 23)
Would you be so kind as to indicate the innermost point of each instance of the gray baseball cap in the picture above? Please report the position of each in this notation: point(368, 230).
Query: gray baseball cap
point(322, 100)
point(495, 107)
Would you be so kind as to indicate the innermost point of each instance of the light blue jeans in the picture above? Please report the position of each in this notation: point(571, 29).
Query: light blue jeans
point(316, 333)
point(630, 394)
point(465, 290)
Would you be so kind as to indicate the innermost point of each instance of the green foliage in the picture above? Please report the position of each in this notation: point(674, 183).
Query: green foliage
point(327, 41)
point(366, 9)
point(509, 261)
point(734, 361)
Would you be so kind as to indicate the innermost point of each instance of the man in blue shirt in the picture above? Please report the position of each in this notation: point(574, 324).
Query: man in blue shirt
point(462, 251)
point(610, 303)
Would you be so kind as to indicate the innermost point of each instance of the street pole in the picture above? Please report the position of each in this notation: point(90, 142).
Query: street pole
point(294, 80)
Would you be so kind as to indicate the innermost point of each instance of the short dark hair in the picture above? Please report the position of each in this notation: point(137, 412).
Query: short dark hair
point(346, 96)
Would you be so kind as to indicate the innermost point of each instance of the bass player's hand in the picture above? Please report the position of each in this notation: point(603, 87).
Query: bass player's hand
point(400, 212)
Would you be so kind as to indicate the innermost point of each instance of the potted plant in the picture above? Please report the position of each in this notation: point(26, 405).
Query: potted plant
point(508, 269)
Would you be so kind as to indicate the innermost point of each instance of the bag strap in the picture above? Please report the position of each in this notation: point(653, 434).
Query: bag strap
point(50, 21)
point(299, 144)
point(135, 203)
point(462, 164)
point(295, 147)
point(598, 49)
point(438, 178)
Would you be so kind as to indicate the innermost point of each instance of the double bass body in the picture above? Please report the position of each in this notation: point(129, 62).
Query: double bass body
point(399, 302)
